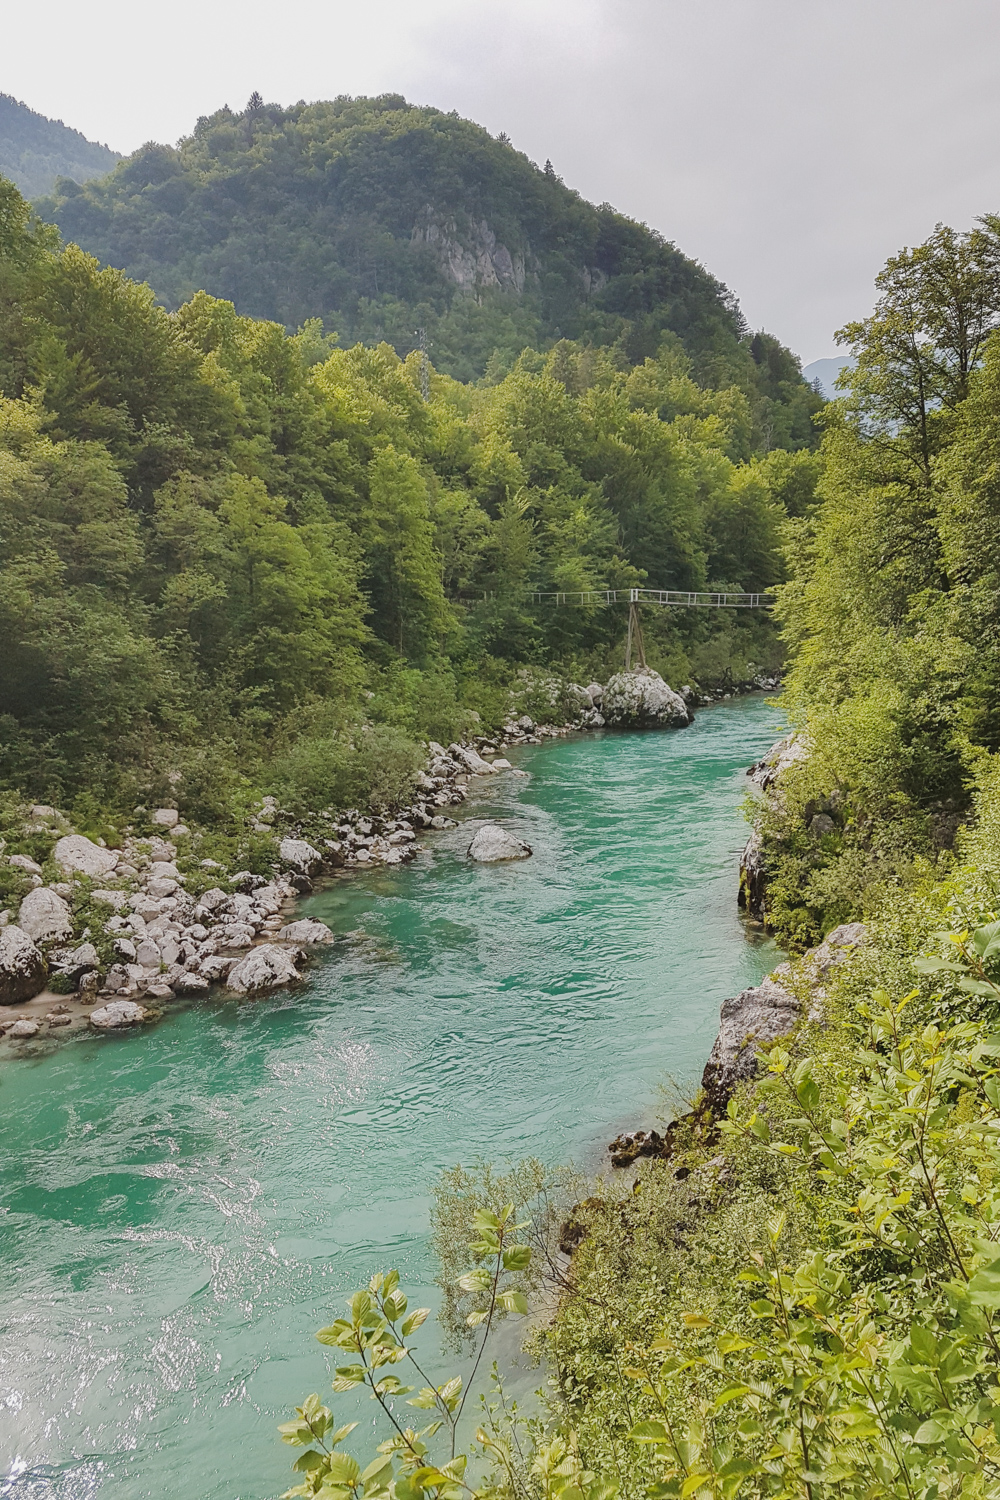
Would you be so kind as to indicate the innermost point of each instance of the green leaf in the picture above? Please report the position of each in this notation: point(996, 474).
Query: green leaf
point(344, 1469)
point(649, 1432)
point(984, 1288)
point(517, 1258)
point(931, 1431)
point(348, 1376)
point(478, 1280)
point(426, 1400)
point(412, 1323)
point(514, 1302)
point(309, 1461)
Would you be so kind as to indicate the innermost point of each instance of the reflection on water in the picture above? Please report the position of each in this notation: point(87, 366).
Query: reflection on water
point(179, 1210)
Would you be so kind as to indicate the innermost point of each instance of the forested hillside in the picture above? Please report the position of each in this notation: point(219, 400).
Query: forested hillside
point(227, 550)
point(35, 151)
point(381, 218)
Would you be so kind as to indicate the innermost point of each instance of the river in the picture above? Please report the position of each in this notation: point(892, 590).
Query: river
point(181, 1208)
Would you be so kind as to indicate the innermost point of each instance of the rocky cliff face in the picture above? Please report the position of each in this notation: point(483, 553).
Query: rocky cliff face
point(473, 261)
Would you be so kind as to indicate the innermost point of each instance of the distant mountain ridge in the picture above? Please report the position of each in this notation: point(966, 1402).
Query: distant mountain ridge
point(35, 151)
point(384, 219)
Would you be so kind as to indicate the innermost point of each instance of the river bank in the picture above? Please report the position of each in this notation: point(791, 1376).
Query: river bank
point(182, 1205)
point(106, 937)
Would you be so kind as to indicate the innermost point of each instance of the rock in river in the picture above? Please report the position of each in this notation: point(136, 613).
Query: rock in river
point(22, 968)
point(492, 843)
point(642, 700)
point(265, 967)
point(45, 916)
point(75, 854)
point(305, 931)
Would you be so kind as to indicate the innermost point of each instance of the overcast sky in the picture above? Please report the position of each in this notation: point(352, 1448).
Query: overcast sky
point(789, 145)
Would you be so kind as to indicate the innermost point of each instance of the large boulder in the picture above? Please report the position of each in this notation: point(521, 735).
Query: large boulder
point(22, 968)
point(300, 856)
point(642, 700)
point(75, 854)
point(45, 916)
point(471, 760)
point(493, 843)
point(117, 1014)
point(305, 931)
point(266, 967)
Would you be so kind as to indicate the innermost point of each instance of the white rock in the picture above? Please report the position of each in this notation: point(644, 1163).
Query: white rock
point(190, 984)
point(264, 968)
point(22, 862)
point(492, 843)
point(306, 931)
point(160, 888)
point(641, 698)
point(166, 817)
point(117, 899)
point(471, 759)
point(502, 765)
point(148, 954)
point(215, 967)
point(268, 899)
point(24, 1027)
point(164, 869)
point(300, 856)
point(125, 948)
point(75, 962)
point(45, 916)
point(75, 854)
point(117, 1013)
point(236, 937)
point(181, 831)
point(22, 968)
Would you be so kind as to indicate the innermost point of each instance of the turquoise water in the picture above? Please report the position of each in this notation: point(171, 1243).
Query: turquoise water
point(180, 1209)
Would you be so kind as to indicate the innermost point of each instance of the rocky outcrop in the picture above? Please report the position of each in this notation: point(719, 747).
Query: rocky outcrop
point(765, 772)
point(75, 854)
point(753, 878)
point(492, 843)
point(473, 261)
point(300, 856)
point(760, 1016)
point(266, 967)
point(22, 967)
point(45, 916)
point(642, 700)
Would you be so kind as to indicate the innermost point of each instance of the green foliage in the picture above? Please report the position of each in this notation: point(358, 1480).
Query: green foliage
point(235, 560)
point(890, 611)
point(35, 152)
point(379, 218)
point(376, 1337)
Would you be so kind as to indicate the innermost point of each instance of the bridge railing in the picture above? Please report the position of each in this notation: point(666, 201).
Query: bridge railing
point(688, 598)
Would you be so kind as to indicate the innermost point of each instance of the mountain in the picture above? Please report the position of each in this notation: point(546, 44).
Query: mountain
point(35, 151)
point(826, 372)
point(382, 219)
